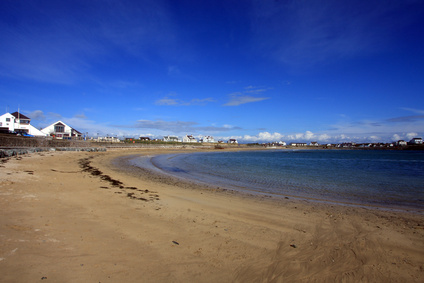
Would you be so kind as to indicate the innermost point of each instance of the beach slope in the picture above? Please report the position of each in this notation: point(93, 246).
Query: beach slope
point(78, 217)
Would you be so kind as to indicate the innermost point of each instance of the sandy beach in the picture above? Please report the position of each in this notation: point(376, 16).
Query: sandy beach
point(79, 217)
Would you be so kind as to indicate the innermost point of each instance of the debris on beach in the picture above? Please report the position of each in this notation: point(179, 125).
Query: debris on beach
point(85, 164)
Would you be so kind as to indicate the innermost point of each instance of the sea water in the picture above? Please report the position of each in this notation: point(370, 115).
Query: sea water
point(372, 177)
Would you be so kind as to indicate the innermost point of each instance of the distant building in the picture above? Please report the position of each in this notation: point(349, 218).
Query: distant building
point(314, 144)
point(232, 141)
point(207, 139)
point(18, 123)
point(416, 141)
point(60, 130)
point(106, 139)
point(144, 138)
point(401, 143)
point(298, 144)
point(171, 139)
point(346, 144)
point(189, 138)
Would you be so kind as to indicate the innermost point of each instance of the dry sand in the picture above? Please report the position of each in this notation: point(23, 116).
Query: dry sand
point(75, 217)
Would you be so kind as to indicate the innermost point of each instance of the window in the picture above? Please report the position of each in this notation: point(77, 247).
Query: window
point(59, 128)
point(7, 119)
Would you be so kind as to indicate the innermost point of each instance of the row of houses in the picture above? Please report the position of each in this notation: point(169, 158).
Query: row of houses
point(190, 139)
point(20, 124)
point(414, 141)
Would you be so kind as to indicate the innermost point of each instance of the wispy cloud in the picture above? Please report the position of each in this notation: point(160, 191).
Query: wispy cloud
point(181, 127)
point(62, 44)
point(406, 119)
point(304, 33)
point(36, 115)
point(237, 99)
point(417, 111)
point(167, 101)
point(248, 95)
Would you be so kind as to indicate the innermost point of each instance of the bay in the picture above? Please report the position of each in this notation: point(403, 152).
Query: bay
point(371, 177)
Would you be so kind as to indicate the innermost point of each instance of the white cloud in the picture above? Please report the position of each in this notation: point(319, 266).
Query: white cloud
point(36, 115)
point(405, 136)
point(410, 136)
point(396, 137)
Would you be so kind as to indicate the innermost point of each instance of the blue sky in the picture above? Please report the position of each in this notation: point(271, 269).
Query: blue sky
point(326, 71)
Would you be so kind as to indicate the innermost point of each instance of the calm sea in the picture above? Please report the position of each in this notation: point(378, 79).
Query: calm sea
point(372, 177)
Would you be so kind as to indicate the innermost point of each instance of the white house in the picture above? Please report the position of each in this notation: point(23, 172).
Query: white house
point(416, 141)
point(298, 144)
point(189, 138)
point(401, 142)
point(282, 143)
point(18, 123)
point(314, 144)
point(232, 141)
point(61, 131)
point(207, 139)
point(106, 139)
point(171, 139)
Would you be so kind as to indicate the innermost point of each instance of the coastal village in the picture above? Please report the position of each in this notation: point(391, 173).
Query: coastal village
point(18, 124)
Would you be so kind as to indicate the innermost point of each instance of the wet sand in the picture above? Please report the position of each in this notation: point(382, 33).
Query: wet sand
point(79, 217)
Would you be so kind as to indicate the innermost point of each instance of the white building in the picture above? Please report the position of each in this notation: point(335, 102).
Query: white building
point(314, 144)
point(61, 131)
point(298, 144)
point(189, 138)
point(106, 139)
point(401, 142)
point(171, 139)
point(207, 139)
point(232, 141)
point(18, 123)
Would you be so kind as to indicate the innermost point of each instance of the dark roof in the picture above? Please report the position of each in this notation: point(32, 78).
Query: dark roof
point(20, 116)
point(61, 124)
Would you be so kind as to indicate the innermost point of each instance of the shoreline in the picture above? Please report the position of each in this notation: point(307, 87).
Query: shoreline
point(156, 173)
point(76, 216)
